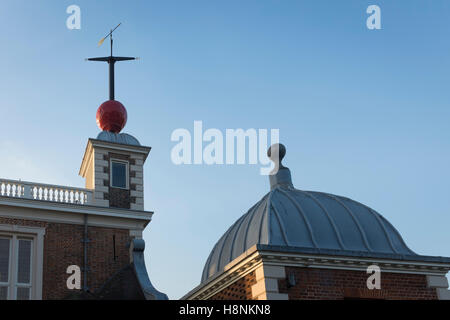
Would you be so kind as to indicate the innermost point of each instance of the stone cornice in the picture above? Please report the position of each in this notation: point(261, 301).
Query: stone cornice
point(353, 263)
point(57, 208)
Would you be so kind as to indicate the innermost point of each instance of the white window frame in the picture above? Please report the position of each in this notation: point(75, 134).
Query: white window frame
point(15, 285)
point(36, 235)
point(8, 282)
point(127, 173)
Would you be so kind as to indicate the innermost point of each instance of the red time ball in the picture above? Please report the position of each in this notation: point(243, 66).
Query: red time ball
point(111, 116)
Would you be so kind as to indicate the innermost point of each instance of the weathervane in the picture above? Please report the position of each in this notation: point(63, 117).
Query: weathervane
point(111, 61)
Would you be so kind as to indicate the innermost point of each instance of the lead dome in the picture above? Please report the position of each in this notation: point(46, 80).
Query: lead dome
point(309, 221)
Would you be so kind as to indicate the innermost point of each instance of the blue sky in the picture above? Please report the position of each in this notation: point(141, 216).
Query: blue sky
point(364, 114)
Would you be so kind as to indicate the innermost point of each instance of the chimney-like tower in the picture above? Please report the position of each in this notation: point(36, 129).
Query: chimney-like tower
point(113, 166)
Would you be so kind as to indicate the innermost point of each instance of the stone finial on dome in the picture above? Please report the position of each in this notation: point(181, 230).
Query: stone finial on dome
point(280, 175)
point(276, 153)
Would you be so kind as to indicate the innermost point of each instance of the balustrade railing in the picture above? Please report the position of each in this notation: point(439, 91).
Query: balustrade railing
point(44, 192)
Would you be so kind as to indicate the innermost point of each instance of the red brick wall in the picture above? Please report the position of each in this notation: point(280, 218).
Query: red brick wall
point(240, 290)
point(345, 284)
point(63, 246)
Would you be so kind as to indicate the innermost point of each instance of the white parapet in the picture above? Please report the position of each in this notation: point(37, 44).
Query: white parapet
point(45, 192)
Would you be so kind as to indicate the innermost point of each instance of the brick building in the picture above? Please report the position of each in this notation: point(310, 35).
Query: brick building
point(59, 242)
point(44, 229)
point(296, 244)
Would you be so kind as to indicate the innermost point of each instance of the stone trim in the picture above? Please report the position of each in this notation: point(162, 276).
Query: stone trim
point(225, 279)
point(266, 287)
point(136, 234)
point(69, 214)
point(354, 263)
point(440, 283)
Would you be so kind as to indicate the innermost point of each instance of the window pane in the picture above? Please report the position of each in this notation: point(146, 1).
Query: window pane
point(119, 174)
point(24, 267)
point(3, 293)
point(23, 293)
point(4, 260)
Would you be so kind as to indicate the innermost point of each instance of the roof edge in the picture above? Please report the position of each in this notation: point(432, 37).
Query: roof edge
point(356, 254)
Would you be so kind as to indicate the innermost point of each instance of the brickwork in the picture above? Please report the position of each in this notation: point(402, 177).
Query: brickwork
point(131, 198)
point(239, 290)
point(63, 246)
point(314, 284)
point(119, 198)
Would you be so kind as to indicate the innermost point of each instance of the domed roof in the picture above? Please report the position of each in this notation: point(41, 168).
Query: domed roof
point(122, 138)
point(306, 219)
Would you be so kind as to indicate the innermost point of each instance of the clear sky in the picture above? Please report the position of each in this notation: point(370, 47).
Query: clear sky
point(363, 113)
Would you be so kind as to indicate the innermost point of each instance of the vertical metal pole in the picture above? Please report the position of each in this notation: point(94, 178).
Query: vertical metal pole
point(111, 71)
point(85, 242)
point(111, 38)
point(111, 78)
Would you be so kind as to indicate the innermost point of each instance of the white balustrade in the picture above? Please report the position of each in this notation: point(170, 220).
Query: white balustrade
point(44, 192)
